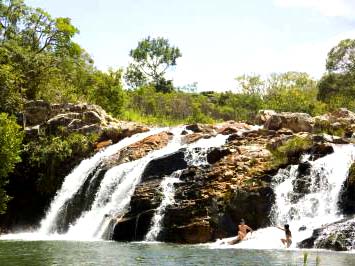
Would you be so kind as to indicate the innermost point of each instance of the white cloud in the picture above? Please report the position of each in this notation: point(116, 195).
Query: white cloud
point(330, 8)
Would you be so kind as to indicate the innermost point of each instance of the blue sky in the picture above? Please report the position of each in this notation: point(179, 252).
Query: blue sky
point(219, 39)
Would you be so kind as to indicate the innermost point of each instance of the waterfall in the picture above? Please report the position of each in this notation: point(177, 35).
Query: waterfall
point(77, 177)
point(167, 186)
point(195, 154)
point(314, 207)
point(114, 194)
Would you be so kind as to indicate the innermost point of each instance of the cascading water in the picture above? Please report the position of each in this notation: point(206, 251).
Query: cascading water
point(168, 198)
point(76, 178)
point(114, 194)
point(72, 183)
point(308, 211)
point(195, 154)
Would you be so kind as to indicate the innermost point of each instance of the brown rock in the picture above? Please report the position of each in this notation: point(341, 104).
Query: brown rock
point(36, 113)
point(263, 116)
point(190, 138)
point(297, 122)
point(139, 149)
point(201, 128)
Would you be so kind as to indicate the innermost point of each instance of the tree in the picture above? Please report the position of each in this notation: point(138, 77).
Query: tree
point(341, 58)
point(10, 147)
point(151, 59)
point(11, 16)
point(337, 86)
point(107, 91)
point(34, 28)
point(292, 92)
point(250, 84)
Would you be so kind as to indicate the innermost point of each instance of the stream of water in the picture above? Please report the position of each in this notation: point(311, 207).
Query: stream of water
point(308, 211)
point(304, 212)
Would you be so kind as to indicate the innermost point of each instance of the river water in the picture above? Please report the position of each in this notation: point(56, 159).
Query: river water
point(113, 253)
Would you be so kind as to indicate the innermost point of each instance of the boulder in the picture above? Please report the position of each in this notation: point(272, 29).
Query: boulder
point(83, 118)
point(320, 150)
point(341, 122)
point(344, 114)
point(139, 149)
point(231, 127)
point(336, 236)
point(347, 194)
point(61, 121)
point(135, 224)
point(201, 128)
point(263, 116)
point(133, 228)
point(92, 117)
point(297, 122)
point(36, 113)
point(164, 165)
point(302, 183)
point(190, 138)
point(215, 154)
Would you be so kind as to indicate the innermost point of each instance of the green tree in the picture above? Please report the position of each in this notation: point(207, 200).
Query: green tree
point(250, 84)
point(151, 59)
point(292, 92)
point(337, 86)
point(10, 147)
point(12, 13)
point(341, 58)
point(107, 91)
point(39, 50)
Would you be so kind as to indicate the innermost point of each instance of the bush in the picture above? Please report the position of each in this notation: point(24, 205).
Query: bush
point(48, 155)
point(10, 148)
point(290, 151)
point(324, 126)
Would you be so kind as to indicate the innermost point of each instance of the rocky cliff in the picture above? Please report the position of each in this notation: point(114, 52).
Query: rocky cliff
point(233, 182)
point(33, 184)
point(212, 198)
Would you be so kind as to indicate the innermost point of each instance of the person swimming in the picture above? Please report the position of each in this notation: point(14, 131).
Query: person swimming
point(288, 240)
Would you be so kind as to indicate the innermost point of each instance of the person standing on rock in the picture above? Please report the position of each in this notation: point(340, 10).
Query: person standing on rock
point(288, 240)
point(242, 232)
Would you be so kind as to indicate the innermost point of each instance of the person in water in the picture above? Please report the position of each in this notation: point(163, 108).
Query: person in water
point(242, 232)
point(288, 240)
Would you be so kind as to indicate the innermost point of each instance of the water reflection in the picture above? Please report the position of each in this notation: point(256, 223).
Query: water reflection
point(112, 253)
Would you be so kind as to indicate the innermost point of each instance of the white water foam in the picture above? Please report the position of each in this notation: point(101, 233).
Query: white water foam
point(311, 211)
point(115, 192)
point(72, 184)
point(196, 154)
point(168, 199)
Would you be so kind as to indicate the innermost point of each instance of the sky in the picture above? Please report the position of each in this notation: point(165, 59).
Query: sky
point(219, 39)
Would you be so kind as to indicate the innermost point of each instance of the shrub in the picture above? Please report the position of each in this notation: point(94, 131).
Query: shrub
point(290, 151)
point(10, 148)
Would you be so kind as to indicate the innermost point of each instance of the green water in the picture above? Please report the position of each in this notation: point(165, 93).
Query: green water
point(112, 253)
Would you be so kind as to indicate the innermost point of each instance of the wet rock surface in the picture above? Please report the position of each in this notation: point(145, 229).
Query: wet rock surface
point(139, 149)
point(212, 197)
point(337, 236)
point(347, 194)
point(164, 165)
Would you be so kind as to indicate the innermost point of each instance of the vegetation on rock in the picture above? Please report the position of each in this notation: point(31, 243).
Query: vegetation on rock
point(289, 151)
